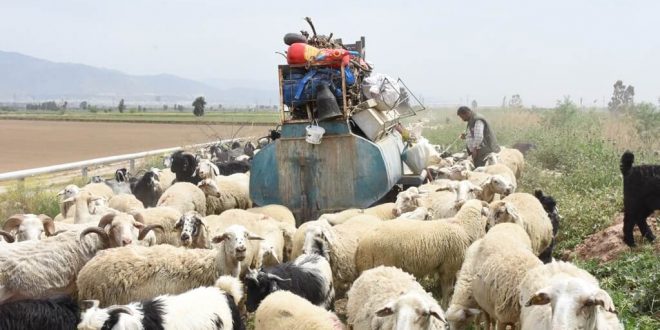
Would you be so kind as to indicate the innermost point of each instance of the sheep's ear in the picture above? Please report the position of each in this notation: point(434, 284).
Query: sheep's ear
point(253, 236)
point(179, 223)
point(218, 239)
point(386, 310)
point(539, 298)
point(196, 171)
point(438, 315)
point(511, 210)
point(215, 168)
point(603, 299)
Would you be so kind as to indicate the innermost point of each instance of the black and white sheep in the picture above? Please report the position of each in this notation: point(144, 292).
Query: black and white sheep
point(59, 312)
point(309, 276)
point(147, 189)
point(200, 308)
point(183, 166)
point(641, 196)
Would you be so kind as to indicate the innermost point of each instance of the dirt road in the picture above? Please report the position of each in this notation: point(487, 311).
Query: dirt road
point(28, 144)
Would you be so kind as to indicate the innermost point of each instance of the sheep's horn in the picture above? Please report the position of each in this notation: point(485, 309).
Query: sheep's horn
point(49, 225)
point(106, 220)
point(277, 278)
point(102, 234)
point(148, 228)
point(8, 237)
point(13, 222)
point(120, 309)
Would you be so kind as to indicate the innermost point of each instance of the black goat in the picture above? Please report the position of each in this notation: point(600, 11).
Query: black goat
point(550, 207)
point(234, 166)
point(147, 189)
point(641, 196)
point(183, 166)
point(300, 279)
point(55, 313)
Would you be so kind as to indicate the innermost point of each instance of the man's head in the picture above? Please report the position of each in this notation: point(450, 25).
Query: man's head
point(464, 112)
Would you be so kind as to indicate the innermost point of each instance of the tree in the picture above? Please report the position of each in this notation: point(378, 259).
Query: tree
point(516, 101)
point(121, 107)
point(83, 105)
point(622, 97)
point(198, 105)
point(474, 104)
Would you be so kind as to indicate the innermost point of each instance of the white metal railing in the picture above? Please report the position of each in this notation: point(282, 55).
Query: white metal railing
point(85, 164)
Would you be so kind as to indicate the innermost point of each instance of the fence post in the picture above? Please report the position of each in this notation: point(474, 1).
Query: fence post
point(131, 166)
point(85, 171)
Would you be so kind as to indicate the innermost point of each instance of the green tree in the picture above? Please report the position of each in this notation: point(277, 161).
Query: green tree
point(622, 97)
point(121, 107)
point(198, 106)
point(83, 105)
point(516, 102)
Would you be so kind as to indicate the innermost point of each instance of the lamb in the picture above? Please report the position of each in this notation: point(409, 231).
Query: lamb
point(54, 313)
point(309, 276)
point(183, 165)
point(491, 275)
point(641, 196)
point(214, 308)
point(560, 295)
point(165, 217)
point(131, 273)
point(525, 210)
point(550, 207)
point(184, 196)
point(46, 267)
point(280, 213)
point(285, 310)
point(125, 203)
point(147, 189)
point(342, 242)
point(29, 226)
point(222, 195)
point(425, 247)
point(389, 298)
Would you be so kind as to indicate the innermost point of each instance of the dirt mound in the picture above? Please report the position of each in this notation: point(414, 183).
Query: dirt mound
point(607, 244)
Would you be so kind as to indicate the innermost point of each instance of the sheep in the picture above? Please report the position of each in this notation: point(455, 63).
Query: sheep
point(125, 274)
point(389, 298)
point(491, 185)
point(125, 203)
point(206, 169)
point(164, 216)
point(342, 242)
point(285, 310)
point(425, 247)
point(193, 232)
point(550, 207)
point(215, 307)
point(99, 189)
point(384, 211)
point(120, 184)
point(222, 195)
point(278, 212)
point(309, 276)
point(235, 166)
point(82, 211)
point(29, 226)
point(42, 268)
point(641, 196)
point(54, 313)
point(184, 196)
point(124, 229)
point(165, 177)
point(493, 273)
point(147, 189)
point(560, 295)
point(420, 213)
point(183, 165)
point(442, 202)
point(67, 209)
point(502, 170)
point(512, 158)
point(525, 210)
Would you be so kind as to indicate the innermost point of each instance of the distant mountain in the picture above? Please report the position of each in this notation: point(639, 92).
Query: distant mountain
point(28, 79)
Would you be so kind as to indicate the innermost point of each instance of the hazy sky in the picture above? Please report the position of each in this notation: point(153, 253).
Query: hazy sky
point(446, 51)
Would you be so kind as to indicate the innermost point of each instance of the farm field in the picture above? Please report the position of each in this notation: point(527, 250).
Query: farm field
point(210, 117)
point(32, 143)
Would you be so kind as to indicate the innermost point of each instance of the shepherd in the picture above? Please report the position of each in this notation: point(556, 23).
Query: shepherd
point(479, 136)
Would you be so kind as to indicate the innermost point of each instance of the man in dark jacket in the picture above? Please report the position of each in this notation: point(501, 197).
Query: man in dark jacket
point(479, 136)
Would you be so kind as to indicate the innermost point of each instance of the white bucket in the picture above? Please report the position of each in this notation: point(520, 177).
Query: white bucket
point(314, 134)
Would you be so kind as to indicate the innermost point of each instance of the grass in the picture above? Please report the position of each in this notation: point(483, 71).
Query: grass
point(270, 117)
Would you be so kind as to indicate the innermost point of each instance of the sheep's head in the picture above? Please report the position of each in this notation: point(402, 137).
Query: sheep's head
point(29, 226)
point(413, 310)
point(503, 211)
point(467, 190)
point(183, 164)
point(575, 303)
point(500, 185)
point(93, 317)
point(69, 192)
point(267, 255)
point(209, 187)
point(124, 229)
point(420, 213)
point(460, 317)
point(235, 240)
point(492, 159)
point(206, 169)
point(191, 225)
point(406, 201)
point(260, 284)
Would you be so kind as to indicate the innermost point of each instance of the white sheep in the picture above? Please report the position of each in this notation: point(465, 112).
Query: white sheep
point(278, 212)
point(67, 209)
point(125, 229)
point(425, 247)
point(122, 275)
point(222, 195)
point(389, 298)
point(83, 213)
point(99, 189)
point(441, 201)
point(342, 242)
point(559, 295)
point(492, 275)
point(165, 177)
point(29, 226)
point(184, 196)
point(164, 216)
point(285, 310)
point(525, 210)
point(125, 203)
point(42, 268)
point(214, 307)
point(206, 169)
point(491, 184)
point(420, 213)
point(510, 157)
